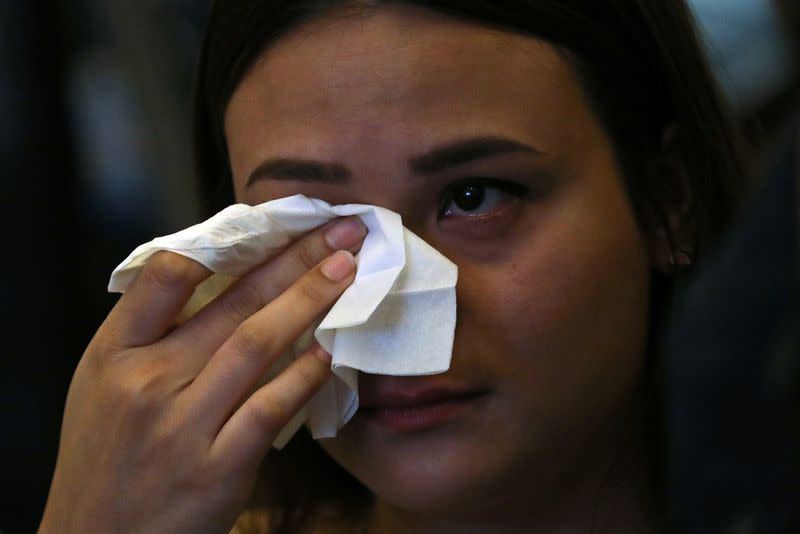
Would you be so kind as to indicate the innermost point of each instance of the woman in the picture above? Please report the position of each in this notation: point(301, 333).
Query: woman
point(571, 157)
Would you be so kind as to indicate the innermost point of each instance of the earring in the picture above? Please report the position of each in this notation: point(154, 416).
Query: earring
point(680, 258)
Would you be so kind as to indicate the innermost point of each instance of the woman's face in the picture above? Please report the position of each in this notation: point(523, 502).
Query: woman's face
point(485, 144)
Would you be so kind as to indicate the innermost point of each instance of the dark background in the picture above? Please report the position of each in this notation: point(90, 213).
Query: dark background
point(95, 159)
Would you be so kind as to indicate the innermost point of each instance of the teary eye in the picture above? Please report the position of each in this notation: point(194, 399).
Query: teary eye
point(478, 197)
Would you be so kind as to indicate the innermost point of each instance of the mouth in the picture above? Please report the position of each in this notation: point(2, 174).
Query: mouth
point(416, 410)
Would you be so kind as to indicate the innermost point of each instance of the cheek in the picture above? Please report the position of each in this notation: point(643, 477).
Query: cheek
point(567, 311)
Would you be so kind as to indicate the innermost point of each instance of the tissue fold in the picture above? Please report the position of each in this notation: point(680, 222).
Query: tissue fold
point(397, 318)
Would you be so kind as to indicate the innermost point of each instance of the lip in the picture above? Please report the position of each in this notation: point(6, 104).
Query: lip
point(413, 407)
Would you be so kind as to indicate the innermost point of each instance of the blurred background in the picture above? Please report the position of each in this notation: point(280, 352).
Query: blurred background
point(95, 157)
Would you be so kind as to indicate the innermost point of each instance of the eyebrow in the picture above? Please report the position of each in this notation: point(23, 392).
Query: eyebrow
point(435, 161)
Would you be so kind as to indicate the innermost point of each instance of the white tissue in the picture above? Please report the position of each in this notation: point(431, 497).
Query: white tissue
point(397, 318)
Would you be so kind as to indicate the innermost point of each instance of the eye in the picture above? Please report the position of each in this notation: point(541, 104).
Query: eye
point(478, 197)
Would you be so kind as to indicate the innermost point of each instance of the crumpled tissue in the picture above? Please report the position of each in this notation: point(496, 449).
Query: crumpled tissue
point(397, 318)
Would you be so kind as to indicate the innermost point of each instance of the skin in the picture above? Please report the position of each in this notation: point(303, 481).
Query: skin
point(553, 286)
point(166, 421)
point(165, 425)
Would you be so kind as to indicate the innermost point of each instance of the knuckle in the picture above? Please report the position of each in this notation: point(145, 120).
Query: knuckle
point(247, 340)
point(309, 371)
point(137, 393)
point(269, 416)
point(241, 304)
point(101, 350)
point(167, 270)
point(309, 253)
point(310, 290)
point(166, 440)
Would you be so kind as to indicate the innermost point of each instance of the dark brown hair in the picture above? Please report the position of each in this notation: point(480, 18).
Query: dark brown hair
point(642, 70)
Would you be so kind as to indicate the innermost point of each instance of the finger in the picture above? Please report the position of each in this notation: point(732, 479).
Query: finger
point(244, 358)
point(249, 433)
point(148, 308)
point(216, 322)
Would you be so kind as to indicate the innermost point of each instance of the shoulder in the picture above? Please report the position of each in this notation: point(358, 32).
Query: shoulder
point(258, 522)
point(252, 522)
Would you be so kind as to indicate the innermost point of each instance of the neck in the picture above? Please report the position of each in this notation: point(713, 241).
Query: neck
point(610, 492)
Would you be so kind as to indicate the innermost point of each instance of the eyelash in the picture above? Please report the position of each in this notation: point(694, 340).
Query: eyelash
point(448, 195)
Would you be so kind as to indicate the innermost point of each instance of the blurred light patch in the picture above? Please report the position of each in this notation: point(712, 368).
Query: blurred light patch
point(115, 168)
point(750, 52)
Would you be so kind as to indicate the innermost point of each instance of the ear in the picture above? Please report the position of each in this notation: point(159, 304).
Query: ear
point(669, 214)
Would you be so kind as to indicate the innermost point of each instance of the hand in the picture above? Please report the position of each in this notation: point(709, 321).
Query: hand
point(165, 426)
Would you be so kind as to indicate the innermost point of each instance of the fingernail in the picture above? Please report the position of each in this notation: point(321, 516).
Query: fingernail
point(346, 233)
point(339, 266)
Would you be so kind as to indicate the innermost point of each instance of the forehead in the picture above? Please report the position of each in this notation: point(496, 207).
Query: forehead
point(396, 75)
